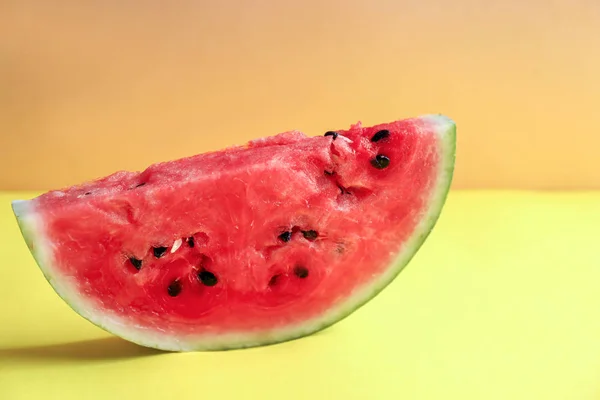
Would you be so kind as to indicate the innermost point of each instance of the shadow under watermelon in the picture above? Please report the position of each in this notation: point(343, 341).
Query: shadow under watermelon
point(102, 349)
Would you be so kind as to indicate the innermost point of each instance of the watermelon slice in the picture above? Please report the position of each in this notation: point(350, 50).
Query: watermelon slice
point(247, 246)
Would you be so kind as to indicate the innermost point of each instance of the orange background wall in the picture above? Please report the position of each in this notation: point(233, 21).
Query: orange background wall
point(87, 88)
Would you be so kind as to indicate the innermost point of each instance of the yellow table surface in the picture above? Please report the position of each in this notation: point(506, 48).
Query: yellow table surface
point(502, 302)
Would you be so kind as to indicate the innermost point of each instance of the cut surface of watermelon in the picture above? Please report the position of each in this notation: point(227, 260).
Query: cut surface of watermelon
point(247, 246)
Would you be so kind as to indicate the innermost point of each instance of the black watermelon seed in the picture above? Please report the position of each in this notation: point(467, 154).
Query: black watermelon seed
point(159, 251)
point(174, 288)
point(87, 193)
point(329, 172)
point(207, 278)
point(136, 263)
point(190, 241)
point(331, 133)
point(382, 134)
point(310, 235)
point(301, 272)
point(274, 279)
point(285, 236)
point(380, 161)
point(140, 184)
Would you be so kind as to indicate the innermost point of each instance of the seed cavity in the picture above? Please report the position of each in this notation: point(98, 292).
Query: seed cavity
point(136, 263)
point(207, 278)
point(329, 173)
point(310, 235)
point(285, 236)
point(274, 279)
point(159, 251)
point(301, 271)
point(331, 133)
point(190, 241)
point(174, 288)
point(380, 161)
point(380, 135)
point(343, 189)
point(176, 245)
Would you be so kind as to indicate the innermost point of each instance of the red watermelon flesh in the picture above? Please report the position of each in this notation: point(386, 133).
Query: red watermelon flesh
point(247, 246)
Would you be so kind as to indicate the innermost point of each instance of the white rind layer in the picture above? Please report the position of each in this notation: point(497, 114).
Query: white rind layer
point(33, 232)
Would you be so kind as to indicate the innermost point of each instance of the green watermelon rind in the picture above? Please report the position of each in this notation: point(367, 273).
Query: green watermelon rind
point(33, 233)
